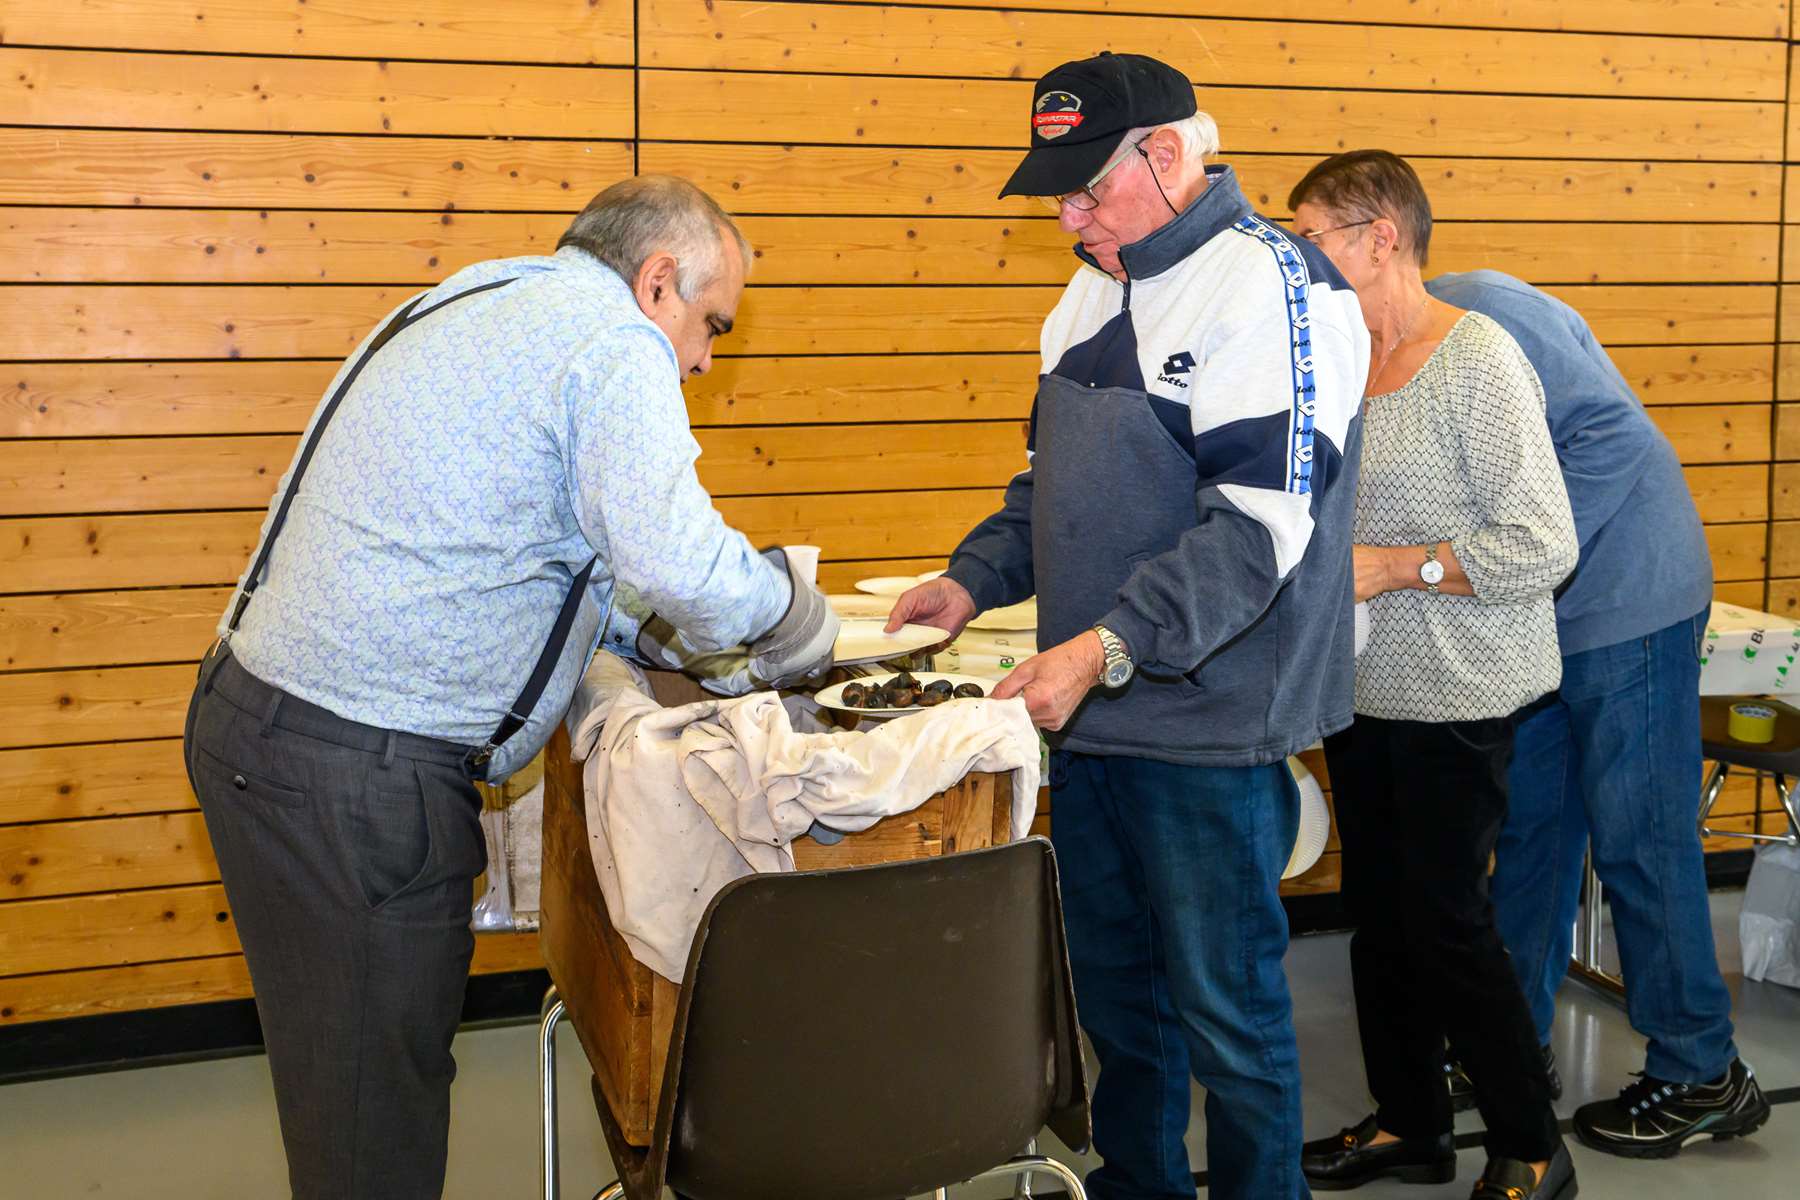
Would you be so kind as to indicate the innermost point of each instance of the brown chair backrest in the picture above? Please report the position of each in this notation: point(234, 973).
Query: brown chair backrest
point(874, 1032)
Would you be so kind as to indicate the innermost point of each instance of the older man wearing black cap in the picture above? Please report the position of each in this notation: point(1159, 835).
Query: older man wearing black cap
point(1185, 522)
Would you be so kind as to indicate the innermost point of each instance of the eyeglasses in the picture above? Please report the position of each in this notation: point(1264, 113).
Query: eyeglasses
point(1083, 198)
point(1316, 234)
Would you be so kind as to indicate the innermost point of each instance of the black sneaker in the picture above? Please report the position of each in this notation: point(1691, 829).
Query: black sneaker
point(1462, 1092)
point(1653, 1118)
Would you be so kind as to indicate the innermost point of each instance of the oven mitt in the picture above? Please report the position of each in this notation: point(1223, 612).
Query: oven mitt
point(801, 642)
point(797, 647)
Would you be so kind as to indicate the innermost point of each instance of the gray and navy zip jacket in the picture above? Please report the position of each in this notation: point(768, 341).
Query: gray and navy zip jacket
point(1191, 485)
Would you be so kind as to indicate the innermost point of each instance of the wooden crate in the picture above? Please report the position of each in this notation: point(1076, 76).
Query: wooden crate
point(622, 1011)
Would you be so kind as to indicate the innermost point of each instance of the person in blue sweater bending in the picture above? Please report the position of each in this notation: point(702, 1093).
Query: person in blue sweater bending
point(1612, 758)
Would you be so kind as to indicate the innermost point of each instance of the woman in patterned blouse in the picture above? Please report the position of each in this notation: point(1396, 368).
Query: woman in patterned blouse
point(1463, 532)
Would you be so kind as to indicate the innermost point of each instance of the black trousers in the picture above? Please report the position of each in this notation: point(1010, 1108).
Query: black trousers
point(349, 856)
point(1419, 807)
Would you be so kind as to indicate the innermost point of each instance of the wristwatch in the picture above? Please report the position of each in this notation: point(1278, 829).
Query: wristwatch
point(1431, 570)
point(1118, 668)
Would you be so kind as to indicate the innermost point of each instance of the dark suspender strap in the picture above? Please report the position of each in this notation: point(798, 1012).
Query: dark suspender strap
point(520, 712)
point(400, 321)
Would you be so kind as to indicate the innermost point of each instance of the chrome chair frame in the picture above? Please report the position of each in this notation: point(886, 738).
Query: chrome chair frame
point(549, 1014)
point(1709, 796)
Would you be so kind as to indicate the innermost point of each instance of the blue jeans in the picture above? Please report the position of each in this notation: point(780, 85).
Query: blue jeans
point(1614, 757)
point(1170, 879)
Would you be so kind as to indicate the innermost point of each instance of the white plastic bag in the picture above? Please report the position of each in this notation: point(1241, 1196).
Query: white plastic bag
point(1769, 925)
point(515, 837)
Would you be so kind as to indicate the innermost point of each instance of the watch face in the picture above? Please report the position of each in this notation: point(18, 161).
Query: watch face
point(1118, 674)
point(1432, 572)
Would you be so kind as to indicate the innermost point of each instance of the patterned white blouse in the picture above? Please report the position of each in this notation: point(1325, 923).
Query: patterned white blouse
point(1461, 453)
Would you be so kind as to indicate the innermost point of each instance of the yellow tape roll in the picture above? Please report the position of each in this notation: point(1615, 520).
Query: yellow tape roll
point(1753, 723)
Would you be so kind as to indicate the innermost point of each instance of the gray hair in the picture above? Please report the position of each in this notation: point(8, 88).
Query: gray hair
point(1199, 135)
point(1360, 186)
point(635, 218)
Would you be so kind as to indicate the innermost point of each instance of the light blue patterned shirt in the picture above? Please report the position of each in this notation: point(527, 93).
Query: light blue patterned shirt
point(481, 458)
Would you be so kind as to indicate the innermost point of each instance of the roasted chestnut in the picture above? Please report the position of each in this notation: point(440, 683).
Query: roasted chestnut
point(902, 697)
point(941, 687)
point(931, 699)
point(853, 694)
point(968, 689)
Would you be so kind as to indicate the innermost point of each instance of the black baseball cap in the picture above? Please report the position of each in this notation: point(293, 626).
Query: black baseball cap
point(1081, 110)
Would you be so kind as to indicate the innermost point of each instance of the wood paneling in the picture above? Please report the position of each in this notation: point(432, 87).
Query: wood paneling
point(69, 933)
point(752, 106)
point(52, 476)
point(95, 399)
point(113, 551)
point(58, 321)
point(48, 477)
point(1716, 18)
point(108, 399)
point(1738, 553)
point(62, 783)
point(288, 95)
point(85, 629)
point(134, 168)
point(1697, 374)
point(95, 991)
point(51, 245)
point(208, 202)
point(551, 31)
point(68, 857)
point(745, 35)
point(1716, 433)
point(905, 180)
point(112, 704)
point(178, 549)
point(1787, 432)
point(122, 989)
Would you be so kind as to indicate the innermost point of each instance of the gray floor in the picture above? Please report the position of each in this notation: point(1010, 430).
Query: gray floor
point(206, 1131)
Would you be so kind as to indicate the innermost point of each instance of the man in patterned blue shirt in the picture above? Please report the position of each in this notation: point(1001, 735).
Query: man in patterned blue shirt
point(470, 498)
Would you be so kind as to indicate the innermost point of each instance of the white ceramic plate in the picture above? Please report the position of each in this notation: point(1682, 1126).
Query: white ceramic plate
point(928, 576)
point(864, 641)
point(833, 696)
point(1023, 615)
point(861, 604)
point(1019, 644)
point(887, 585)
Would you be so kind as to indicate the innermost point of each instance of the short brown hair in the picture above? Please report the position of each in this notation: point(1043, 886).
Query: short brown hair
point(1362, 185)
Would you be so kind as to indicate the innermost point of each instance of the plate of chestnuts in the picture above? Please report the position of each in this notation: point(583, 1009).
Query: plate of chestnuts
point(896, 695)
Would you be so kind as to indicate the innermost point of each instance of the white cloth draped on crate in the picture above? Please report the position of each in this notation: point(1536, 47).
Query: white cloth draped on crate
point(681, 801)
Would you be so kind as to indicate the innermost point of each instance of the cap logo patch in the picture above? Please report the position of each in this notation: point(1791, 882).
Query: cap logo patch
point(1055, 114)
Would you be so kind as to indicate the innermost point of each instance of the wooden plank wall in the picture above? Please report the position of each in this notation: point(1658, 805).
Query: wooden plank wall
point(206, 202)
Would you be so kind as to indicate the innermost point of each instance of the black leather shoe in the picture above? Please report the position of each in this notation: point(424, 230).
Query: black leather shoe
point(1505, 1179)
point(1336, 1164)
point(1462, 1092)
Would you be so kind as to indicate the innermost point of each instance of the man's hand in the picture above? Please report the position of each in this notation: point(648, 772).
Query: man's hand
point(1054, 682)
point(941, 602)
